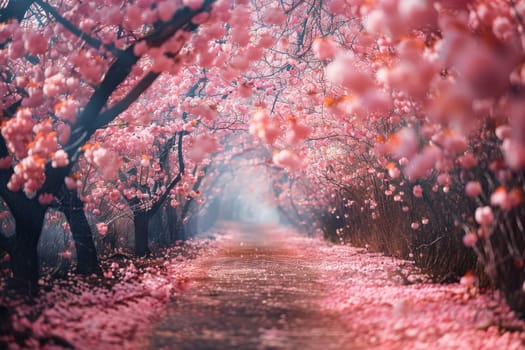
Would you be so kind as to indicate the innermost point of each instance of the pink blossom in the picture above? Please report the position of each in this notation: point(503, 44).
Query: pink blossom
point(161, 62)
point(145, 161)
point(417, 190)
point(421, 164)
point(35, 43)
point(500, 198)
point(114, 195)
point(484, 216)
point(503, 132)
point(133, 17)
point(54, 85)
point(240, 36)
point(400, 77)
point(87, 24)
point(288, 159)
point(203, 146)
point(44, 145)
point(245, 90)
point(203, 110)
point(470, 239)
point(241, 16)
point(107, 162)
point(355, 79)
point(59, 159)
point(29, 174)
point(166, 9)
point(140, 48)
point(16, 49)
point(274, 16)
point(473, 188)
point(264, 127)
point(64, 133)
point(46, 198)
point(394, 172)
point(417, 13)
point(337, 7)
point(18, 132)
point(324, 48)
point(114, 15)
point(502, 28)
point(402, 144)
point(443, 179)
point(451, 140)
point(297, 132)
point(265, 40)
point(193, 4)
point(467, 161)
point(515, 196)
point(200, 18)
point(469, 280)
point(514, 153)
point(66, 254)
point(71, 183)
point(375, 101)
point(240, 63)
point(376, 22)
point(485, 74)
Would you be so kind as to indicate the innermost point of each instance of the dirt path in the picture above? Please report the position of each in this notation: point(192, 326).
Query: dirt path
point(270, 288)
point(258, 292)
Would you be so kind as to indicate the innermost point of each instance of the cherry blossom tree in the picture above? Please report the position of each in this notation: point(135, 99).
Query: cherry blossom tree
point(80, 97)
point(432, 98)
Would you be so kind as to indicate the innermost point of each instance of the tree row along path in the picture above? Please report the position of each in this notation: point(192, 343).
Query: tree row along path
point(270, 288)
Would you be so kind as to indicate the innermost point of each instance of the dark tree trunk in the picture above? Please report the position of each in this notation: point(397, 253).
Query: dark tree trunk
point(180, 230)
point(141, 220)
point(23, 253)
point(173, 224)
point(156, 229)
point(87, 261)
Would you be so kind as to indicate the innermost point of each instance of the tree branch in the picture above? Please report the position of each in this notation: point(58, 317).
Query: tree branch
point(15, 9)
point(116, 74)
point(195, 187)
point(107, 116)
point(156, 206)
point(180, 20)
point(169, 144)
point(121, 68)
point(91, 118)
point(75, 30)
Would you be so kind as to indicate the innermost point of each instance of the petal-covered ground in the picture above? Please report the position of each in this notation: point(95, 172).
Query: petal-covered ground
point(116, 312)
point(270, 288)
point(383, 312)
point(262, 287)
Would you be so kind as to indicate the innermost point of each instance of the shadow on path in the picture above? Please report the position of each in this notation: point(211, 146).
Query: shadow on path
point(256, 293)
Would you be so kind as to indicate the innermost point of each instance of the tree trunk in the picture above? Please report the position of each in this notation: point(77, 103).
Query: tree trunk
point(87, 260)
point(173, 220)
point(23, 253)
point(141, 220)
